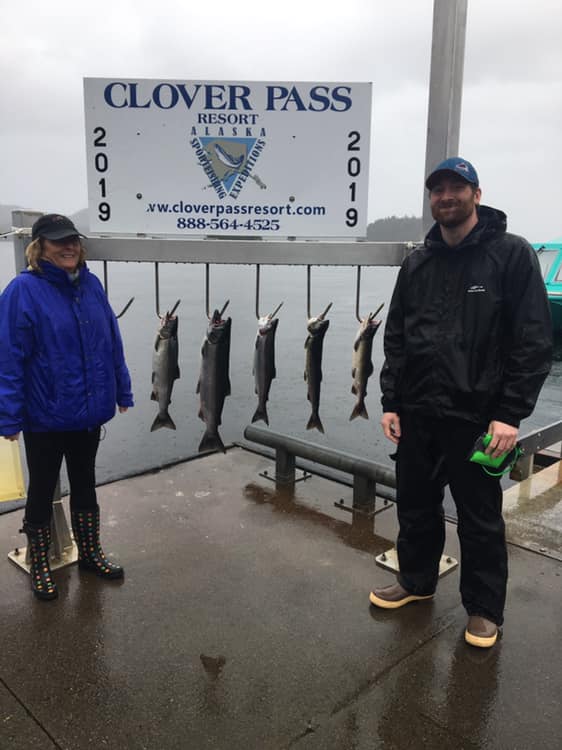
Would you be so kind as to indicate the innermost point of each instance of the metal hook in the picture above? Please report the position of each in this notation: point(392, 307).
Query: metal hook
point(207, 295)
point(106, 285)
point(371, 316)
point(157, 293)
point(309, 316)
point(258, 316)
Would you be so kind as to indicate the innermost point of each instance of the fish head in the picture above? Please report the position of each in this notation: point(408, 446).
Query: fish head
point(218, 328)
point(317, 326)
point(267, 324)
point(168, 326)
point(369, 326)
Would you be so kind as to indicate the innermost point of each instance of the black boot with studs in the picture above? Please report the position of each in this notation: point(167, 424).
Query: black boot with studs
point(86, 528)
point(39, 539)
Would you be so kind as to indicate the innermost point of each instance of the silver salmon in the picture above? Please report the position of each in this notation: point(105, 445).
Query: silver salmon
point(165, 370)
point(214, 381)
point(264, 363)
point(362, 364)
point(317, 328)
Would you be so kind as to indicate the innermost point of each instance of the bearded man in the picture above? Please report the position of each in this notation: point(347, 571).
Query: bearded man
point(468, 345)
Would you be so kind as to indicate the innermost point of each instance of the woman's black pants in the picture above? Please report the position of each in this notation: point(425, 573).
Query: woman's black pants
point(431, 453)
point(44, 453)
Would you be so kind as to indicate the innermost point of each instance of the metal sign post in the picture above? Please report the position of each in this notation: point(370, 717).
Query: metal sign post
point(445, 87)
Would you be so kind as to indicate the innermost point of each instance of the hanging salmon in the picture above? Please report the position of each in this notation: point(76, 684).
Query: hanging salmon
point(165, 369)
point(264, 363)
point(317, 328)
point(214, 381)
point(362, 364)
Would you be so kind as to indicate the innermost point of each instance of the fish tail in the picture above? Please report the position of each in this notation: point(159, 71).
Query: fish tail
point(261, 413)
point(315, 422)
point(163, 420)
point(211, 442)
point(359, 410)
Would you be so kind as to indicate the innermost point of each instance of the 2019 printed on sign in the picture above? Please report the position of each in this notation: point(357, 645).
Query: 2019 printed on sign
point(353, 170)
point(102, 164)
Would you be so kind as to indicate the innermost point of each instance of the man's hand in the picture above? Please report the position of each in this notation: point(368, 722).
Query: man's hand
point(390, 424)
point(12, 437)
point(504, 437)
point(123, 409)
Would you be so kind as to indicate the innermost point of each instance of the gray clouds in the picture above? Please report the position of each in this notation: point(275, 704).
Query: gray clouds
point(511, 112)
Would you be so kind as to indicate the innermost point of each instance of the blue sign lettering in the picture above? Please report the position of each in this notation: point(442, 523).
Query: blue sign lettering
point(214, 96)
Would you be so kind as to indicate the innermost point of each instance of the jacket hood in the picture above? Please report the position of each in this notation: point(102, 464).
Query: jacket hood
point(491, 222)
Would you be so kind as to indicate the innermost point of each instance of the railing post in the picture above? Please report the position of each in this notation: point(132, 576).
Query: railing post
point(364, 493)
point(523, 468)
point(22, 220)
point(284, 467)
point(62, 544)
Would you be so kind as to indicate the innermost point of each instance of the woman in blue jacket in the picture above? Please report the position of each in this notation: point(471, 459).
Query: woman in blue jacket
point(62, 373)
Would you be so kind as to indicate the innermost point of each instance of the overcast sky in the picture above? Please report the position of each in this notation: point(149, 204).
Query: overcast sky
point(511, 110)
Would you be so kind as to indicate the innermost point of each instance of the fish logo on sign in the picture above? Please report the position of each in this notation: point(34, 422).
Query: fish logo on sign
point(227, 162)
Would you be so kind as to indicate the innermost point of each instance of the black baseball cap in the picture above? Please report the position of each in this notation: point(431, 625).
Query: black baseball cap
point(54, 227)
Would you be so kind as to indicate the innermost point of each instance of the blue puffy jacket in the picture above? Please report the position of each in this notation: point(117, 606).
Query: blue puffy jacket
point(61, 357)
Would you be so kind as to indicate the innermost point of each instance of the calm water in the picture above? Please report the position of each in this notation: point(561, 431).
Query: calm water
point(130, 447)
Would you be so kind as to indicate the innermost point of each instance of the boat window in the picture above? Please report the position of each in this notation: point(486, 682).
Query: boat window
point(546, 259)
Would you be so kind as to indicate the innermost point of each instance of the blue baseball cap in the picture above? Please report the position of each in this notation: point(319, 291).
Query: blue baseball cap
point(456, 164)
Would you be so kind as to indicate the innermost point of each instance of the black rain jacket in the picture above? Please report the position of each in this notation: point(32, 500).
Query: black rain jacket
point(468, 332)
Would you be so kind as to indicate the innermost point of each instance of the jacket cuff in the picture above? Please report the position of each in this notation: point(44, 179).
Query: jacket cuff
point(506, 418)
point(389, 405)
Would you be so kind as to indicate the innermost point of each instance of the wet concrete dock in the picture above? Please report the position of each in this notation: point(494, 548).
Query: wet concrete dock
point(243, 623)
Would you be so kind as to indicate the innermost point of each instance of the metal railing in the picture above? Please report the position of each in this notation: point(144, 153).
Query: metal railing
point(366, 474)
point(531, 444)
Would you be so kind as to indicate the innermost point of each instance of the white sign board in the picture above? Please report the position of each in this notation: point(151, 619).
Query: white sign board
point(228, 158)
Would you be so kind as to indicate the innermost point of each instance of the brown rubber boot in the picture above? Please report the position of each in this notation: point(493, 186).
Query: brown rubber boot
point(394, 596)
point(481, 632)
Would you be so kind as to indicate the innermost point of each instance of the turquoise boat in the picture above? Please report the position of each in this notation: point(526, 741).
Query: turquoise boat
point(550, 257)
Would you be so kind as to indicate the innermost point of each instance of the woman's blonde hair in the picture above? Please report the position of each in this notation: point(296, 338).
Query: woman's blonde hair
point(34, 251)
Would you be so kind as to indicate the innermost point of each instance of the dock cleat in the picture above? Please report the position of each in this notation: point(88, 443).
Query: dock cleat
point(86, 528)
point(481, 632)
point(394, 596)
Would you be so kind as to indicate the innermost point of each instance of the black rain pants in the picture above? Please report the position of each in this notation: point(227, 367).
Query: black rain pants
point(431, 453)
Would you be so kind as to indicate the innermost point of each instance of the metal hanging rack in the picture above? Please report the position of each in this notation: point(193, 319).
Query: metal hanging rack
point(279, 306)
point(106, 287)
point(207, 295)
point(157, 293)
point(371, 316)
point(309, 316)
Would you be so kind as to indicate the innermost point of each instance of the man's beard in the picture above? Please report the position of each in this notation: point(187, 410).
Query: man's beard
point(455, 218)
